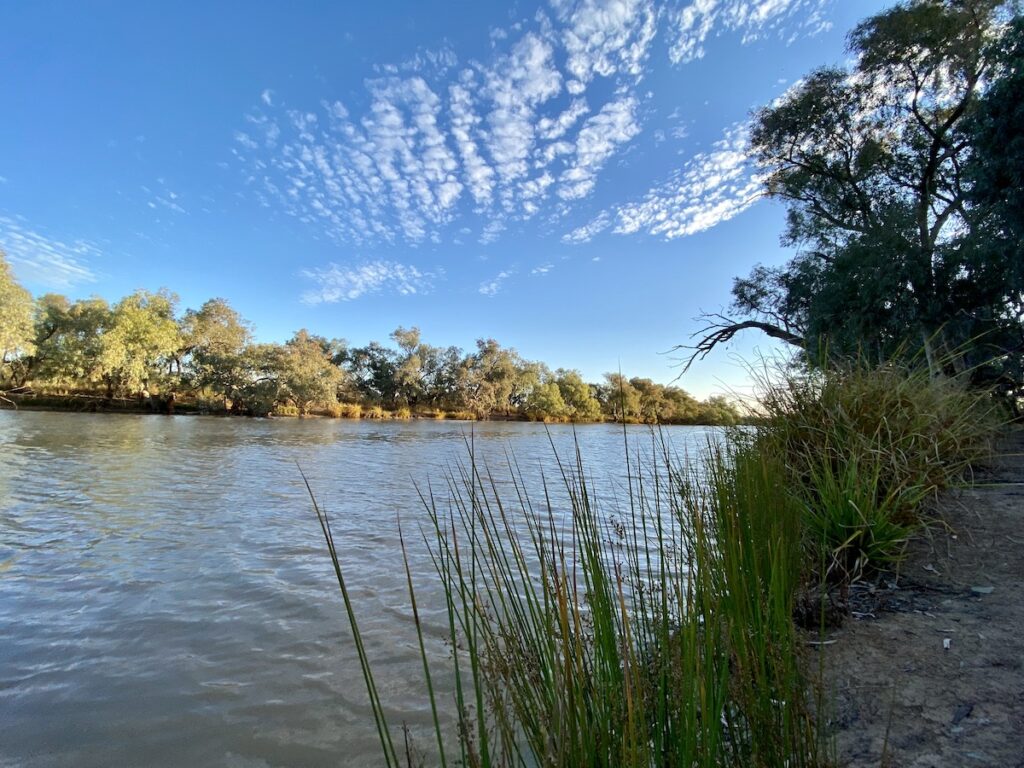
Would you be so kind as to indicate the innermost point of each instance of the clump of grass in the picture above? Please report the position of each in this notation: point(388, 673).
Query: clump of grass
point(865, 448)
point(402, 413)
point(350, 411)
point(375, 412)
point(461, 415)
point(662, 636)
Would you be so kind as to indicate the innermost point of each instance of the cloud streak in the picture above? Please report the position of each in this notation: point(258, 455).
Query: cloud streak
point(493, 141)
point(711, 188)
point(439, 145)
point(493, 286)
point(56, 264)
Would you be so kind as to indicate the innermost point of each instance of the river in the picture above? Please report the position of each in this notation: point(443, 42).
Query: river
point(166, 596)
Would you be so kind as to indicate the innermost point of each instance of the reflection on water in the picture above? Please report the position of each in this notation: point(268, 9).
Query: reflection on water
point(166, 598)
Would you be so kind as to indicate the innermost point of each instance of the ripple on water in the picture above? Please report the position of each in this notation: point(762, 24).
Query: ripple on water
point(165, 595)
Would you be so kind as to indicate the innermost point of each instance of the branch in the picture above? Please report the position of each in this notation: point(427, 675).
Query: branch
point(720, 329)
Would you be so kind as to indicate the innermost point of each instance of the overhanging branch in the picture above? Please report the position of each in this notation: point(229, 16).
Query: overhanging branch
point(720, 329)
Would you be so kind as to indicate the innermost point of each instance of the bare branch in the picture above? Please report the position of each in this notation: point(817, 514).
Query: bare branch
point(720, 329)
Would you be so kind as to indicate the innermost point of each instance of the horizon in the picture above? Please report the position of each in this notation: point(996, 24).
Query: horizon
point(565, 178)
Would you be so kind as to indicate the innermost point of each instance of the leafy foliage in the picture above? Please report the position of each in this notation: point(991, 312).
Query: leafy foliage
point(141, 337)
point(16, 337)
point(140, 347)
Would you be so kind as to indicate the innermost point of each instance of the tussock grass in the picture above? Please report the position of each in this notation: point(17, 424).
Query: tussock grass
point(866, 448)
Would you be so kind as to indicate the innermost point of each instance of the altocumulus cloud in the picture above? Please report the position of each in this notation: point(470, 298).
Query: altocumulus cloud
point(527, 132)
point(695, 22)
point(346, 283)
point(491, 141)
point(492, 286)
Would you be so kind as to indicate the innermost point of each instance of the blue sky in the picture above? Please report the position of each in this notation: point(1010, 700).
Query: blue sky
point(566, 177)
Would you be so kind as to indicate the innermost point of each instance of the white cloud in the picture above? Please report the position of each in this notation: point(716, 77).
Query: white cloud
point(528, 131)
point(598, 139)
point(516, 85)
point(492, 231)
point(551, 128)
point(605, 37)
point(492, 139)
point(163, 197)
point(712, 187)
point(587, 232)
point(543, 269)
point(478, 175)
point(345, 283)
point(699, 20)
point(49, 262)
point(491, 287)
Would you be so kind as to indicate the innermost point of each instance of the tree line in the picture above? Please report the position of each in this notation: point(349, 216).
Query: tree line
point(140, 347)
point(903, 176)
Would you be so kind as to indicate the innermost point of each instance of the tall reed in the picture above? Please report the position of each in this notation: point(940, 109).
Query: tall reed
point(660, 636)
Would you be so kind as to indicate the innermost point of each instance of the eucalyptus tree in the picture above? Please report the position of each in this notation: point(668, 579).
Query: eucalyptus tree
point(68, 342)
point(489, 378)
point(545, 401)
point(996, 172)
point(214, 341)
point(308, 375)
point(577, 395)
point(142, 336)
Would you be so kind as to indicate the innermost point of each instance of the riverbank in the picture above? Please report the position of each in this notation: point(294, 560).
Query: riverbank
point(90, 403)
point(929, 670)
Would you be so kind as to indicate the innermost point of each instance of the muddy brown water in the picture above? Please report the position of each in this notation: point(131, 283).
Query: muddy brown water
point(165, 593)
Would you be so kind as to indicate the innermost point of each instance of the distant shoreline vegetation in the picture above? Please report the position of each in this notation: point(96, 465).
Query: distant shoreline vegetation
point(139, 355)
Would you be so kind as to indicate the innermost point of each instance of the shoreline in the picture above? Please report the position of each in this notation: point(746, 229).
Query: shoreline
point(157, 407)
point(929, 669)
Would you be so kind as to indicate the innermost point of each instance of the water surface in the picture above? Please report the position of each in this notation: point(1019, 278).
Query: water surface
point(165, 593)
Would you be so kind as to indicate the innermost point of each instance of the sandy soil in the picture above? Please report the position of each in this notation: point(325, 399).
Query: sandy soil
point(929, 672)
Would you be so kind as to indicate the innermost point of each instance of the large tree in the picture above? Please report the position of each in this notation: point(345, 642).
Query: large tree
point(996, 193)
point(871, 164)
point(214, 341)
point(16, 326)
point(68, 342)
point(142, 336)
point(308, 374)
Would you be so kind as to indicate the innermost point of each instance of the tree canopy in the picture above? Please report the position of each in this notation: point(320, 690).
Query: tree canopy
point(140, 346)
point(16, 309)
point(882, 168)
